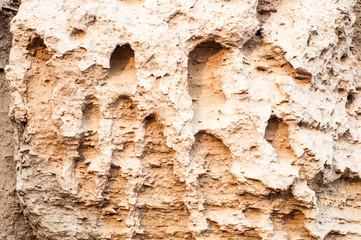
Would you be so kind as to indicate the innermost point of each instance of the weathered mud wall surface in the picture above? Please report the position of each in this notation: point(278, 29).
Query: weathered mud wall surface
point(144, 119)
point(12, 222)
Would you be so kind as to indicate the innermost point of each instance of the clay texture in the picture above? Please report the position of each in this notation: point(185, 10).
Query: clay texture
point(167, 119)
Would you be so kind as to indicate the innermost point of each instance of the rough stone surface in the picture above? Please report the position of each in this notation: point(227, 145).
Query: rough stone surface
point(167, 119)
point(12, 221)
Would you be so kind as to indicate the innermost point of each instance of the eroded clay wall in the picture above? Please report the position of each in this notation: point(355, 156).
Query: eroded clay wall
point(12, 222)
point(145, 119)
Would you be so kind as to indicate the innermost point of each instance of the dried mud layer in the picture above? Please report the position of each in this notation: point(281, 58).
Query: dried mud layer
point(144, 119)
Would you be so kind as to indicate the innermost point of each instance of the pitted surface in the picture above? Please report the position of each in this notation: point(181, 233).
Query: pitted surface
point(187, 119)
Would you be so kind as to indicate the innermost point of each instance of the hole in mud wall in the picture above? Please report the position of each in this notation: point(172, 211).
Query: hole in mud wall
point(277, 134)
point(149, 120)
point(351, 97)
point(38, 49)
point(265, 8)
point(205, 78)
point(77, 34)
point(271, 129)
point(40, 75)
point(91, 115)
point(122, 61)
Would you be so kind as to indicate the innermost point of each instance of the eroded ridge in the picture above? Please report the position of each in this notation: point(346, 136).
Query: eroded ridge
point(161, 199)
point(13, 224)
point(89, 150)
point(335, 199)
point(124, 131)
point(118, 208)
point(213, 161)
point(205, 72)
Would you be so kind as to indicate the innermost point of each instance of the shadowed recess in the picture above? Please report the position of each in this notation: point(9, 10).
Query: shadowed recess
point(122, 59)
point(205, 72)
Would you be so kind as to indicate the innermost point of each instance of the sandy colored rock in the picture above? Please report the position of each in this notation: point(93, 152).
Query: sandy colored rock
point(146, 119)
